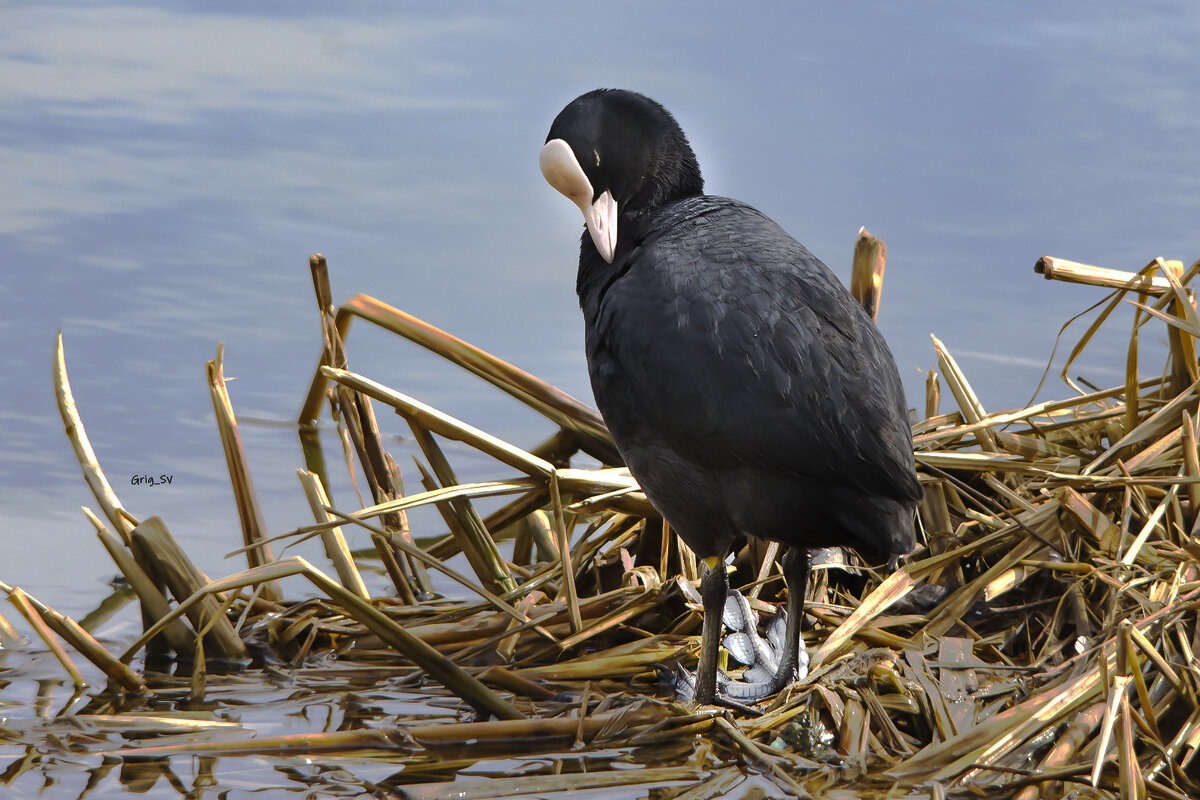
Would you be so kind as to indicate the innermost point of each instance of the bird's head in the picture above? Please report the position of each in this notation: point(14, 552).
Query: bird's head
point(614, 152)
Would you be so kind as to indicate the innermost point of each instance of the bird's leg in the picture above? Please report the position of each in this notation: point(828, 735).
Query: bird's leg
point(713, 588)
point(795, 572)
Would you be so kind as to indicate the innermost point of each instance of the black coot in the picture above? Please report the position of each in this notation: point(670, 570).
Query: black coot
point(745, 388)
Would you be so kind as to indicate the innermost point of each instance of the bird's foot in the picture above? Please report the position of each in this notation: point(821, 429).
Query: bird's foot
point(765, 675)
point(760, 656)
point(684, 683)
point(762, 676)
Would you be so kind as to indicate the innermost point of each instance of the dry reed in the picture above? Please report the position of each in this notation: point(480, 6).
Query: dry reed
point(1041, 641)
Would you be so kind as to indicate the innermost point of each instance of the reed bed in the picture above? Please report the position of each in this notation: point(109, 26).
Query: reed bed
point(1039, 643)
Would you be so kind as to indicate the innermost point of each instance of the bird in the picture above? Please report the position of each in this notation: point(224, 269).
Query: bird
point(745, 389)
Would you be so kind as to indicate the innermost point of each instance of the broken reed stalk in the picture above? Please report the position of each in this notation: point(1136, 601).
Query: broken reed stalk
point(1064, 749)
point(8, 634)
point(562, 409)
point(1060, 269)
point(70, 632)
point(866, 274)
point(343, 407)
point(1191, 464)
point(310, 439)
point(577, 783)
point(24, 604)
point(443, 424)
point(354, 410)
point(106, 498)
point(436, 665)
point(451, 735)
point(892, 589)
point(933, 394)
point(1132, 401)
point(386, 484)
point(568, 594)
point(102, 491)
point(334, 352)
point(160, 555)
point(350, 428)
point(464, 521)
point(541, 536)
point(968, 402)
point(1182, 343)
point(155, 605)
point(254, 528)
point(333, 539)
point(435, 564)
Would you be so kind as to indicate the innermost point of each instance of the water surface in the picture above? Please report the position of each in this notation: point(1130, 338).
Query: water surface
point(168, 169)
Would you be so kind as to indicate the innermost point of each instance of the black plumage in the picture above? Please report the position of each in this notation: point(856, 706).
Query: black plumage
point(745, 388)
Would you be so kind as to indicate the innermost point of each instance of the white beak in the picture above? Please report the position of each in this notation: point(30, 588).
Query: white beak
point(562, 171)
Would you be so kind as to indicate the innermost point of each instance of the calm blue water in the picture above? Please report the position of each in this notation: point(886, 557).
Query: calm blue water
point(168, 168)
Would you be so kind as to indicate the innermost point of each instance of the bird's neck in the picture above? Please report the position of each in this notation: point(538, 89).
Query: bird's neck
point(595, 275)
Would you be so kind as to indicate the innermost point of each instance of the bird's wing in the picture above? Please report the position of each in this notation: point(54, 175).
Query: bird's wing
point(738, 346)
